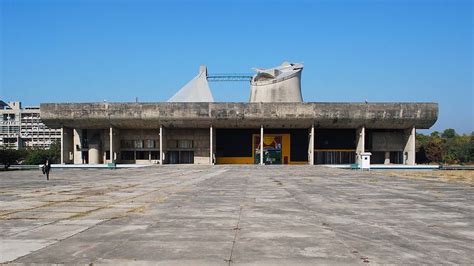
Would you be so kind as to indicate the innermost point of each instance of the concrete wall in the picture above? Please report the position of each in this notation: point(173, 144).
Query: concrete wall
point(200, 138)
point(136, 134)
point(388, 141)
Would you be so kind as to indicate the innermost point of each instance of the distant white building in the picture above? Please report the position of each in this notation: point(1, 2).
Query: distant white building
point(22, 127)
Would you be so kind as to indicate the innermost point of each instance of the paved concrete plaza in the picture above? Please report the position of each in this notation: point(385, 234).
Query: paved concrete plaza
point(233, 215)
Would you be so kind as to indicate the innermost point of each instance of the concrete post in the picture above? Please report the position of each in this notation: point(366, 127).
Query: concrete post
point(311, 146)
point(111, 145)
point(161, 145)
point(261, 145)
point(387, 158)
point(62, 144)
point(360, 138)
point(77, 146)
point(211, 145)
point(409, 150)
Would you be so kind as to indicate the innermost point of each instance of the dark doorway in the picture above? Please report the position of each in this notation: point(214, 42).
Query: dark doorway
point(85, 157)
point(334, 146)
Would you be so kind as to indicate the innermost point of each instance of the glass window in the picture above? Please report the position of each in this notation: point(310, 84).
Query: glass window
point(150, 143)
point(139, 144)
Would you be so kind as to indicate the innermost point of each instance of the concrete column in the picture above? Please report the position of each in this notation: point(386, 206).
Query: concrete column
point(214, 145)
point(360, 148)
point(94, 154)
point(311, 146)
point(261, 145)
point(111, 145)
point(387, 158)
point(116, 144)
point(62, 144)
point(211, 145)
point(161, 144)
point(77, 146)
point(409, 150)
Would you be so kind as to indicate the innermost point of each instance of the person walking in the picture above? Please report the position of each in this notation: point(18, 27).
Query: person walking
point(47, 168)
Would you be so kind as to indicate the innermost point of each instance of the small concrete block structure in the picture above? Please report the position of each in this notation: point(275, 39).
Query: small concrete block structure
point(365, 160)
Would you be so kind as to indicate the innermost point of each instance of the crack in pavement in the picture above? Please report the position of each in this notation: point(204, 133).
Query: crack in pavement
point(237, 228)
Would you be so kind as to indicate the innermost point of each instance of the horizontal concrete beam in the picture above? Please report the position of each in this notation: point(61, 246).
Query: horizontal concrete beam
point(240, 115)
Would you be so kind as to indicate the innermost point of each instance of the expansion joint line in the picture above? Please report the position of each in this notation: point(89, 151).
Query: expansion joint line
point(237, 227)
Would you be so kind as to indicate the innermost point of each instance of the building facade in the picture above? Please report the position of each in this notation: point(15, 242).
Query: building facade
point(23, 128)
point(238, 133)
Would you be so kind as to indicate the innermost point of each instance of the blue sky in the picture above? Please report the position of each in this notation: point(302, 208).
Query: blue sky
point(85, 50)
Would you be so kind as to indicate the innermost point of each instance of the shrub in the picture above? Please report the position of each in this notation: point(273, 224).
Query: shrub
point(9, 157)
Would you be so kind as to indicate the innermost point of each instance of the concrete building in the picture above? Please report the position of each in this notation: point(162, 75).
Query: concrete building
point(22, 127)
point(284, 132)
point(206, 133)
point(277, 84)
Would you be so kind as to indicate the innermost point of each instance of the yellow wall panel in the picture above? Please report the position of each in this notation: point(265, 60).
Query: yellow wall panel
point(234, 160)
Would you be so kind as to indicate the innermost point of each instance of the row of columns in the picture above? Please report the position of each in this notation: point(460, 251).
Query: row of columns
point(408, 151)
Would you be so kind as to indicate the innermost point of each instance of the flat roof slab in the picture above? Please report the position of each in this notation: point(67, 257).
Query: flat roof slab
point(240, 214)
point(240, 115)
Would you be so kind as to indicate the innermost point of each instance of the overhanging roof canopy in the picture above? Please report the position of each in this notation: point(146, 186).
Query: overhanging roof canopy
point(240, 115)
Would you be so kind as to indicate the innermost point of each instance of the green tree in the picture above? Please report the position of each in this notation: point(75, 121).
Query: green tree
point(448, 133)
point(38, 156)
point(434, 150)
point(9, 157)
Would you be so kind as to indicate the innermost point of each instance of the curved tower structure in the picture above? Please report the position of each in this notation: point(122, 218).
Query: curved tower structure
point(278, 84)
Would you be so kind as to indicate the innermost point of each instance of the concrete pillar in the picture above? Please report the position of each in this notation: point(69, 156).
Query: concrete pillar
point(94, 154)
point(409, 150)
point(360, 139)
point(116, 145)
point(67, 145)
point(77, 146)
point(111, 145)
point(311, 146)
point(261, 145)
point(62, 144)
point(211, 145)
point(161, 145)
point(387, 158)
point(214, 145)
